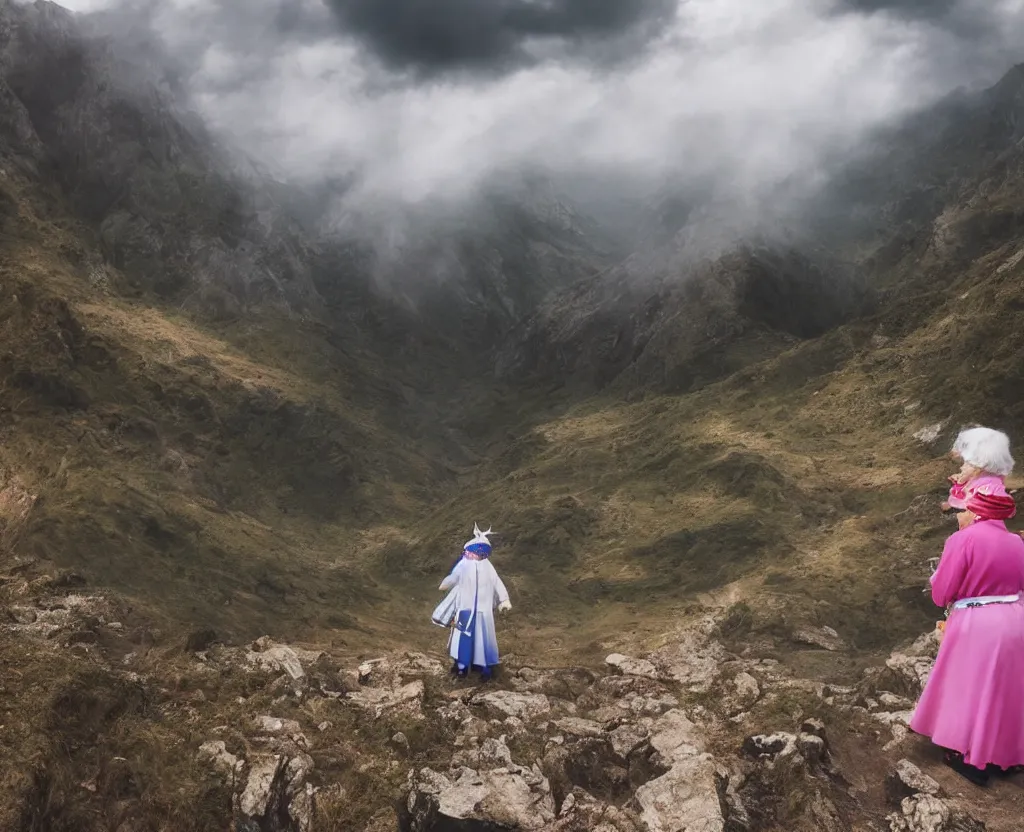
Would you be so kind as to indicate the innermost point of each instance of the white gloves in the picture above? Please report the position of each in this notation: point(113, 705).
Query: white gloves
point(504, 606)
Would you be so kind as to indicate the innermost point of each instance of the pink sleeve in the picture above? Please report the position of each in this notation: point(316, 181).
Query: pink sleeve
point(949, 577)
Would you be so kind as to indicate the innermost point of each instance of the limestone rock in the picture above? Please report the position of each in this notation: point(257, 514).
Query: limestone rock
point(824, 637)
point(686, 798)
point(490, 754)
point(928, 813)
point(908, 780)
point(273, 725)
point(580, 812)
point(674, 736)
point(748, 690)
point(693, 658)
point(280, 658)
point(508, 703)
point(262, 791)
point(381, 700)
point(216, 754)
point(628, 738)
point(275, 796)
point(770, 745)
point(513, 797)
point(632, 667)
point(576, 727)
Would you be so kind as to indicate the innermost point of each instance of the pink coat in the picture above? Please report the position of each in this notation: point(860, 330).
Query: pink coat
point(973, 700)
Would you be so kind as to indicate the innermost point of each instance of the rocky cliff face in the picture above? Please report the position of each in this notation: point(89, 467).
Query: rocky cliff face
point(168, 213)
point(663, 322)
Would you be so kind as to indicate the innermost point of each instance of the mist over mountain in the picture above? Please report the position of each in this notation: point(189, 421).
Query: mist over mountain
point(751, 111)
point(685, 300)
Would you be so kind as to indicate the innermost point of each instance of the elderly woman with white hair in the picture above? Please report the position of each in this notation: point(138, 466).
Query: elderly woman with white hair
point(971, 704)
point(986, 462)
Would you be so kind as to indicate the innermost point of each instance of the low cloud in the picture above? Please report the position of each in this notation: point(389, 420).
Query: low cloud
point(416, 101)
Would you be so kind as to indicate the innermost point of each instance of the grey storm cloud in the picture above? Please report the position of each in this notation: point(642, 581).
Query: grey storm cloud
point(438, 35)
point(415, 99)
point(909, 8)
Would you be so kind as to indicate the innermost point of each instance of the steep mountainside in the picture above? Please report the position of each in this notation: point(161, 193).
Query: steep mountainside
point(217, 391)
point(221, 419)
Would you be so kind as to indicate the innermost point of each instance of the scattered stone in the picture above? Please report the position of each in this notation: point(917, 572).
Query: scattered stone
point(256, 799)
point(812, 748)
point(901, 718)
point(674, 736)
point(216, 754)
point(490, 754)
point(929, 434)
point(899, 734)
point(769, 745)
point(581, 812)
point(381, 700)
point(928, 813)
point(23, 615)
point(824, 637)
point(513, 797)
point(632, 667)
point(276, 796)
point(686, 798)
point(386, 820)
point(693, 658)
point(273, 725)
point(747, 689)
point(908, 780)
point(892, 702)
point(509, 703)
point(279, 658)
point(628, 738)
point(579, 727)
point(815, 727)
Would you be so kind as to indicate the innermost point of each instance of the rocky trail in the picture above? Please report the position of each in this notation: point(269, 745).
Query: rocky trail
point(693, 737)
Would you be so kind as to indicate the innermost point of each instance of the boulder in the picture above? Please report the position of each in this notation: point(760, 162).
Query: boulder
point(263, 790)
point(506, 798)
point(823, 637)
point(580, 812)
point(215, 753)
point(929, 813)
point(907, 780)
point(379, 701)
point(685, 798)
point(275, 796)
point(268, 656)
point(506, 703)
point(632, 667)
point(674, 736)
point(576, 727)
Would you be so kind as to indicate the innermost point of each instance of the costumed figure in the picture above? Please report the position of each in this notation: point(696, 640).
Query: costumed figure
point(971, 705)
point(474, 589)
point(985, 462)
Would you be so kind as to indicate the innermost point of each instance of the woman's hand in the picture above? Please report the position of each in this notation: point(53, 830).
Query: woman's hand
point(504, 606)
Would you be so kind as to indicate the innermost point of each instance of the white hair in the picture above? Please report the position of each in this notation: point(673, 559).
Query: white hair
point(985, 449)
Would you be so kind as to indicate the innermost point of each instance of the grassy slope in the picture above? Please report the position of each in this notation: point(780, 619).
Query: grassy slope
point(796, 486)
point(242, 479)
point(228, 479)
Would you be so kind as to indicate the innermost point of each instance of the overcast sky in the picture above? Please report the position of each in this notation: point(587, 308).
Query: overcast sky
point(421, 97)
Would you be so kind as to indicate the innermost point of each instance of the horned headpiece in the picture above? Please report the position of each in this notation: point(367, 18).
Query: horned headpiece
point(479, 545)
